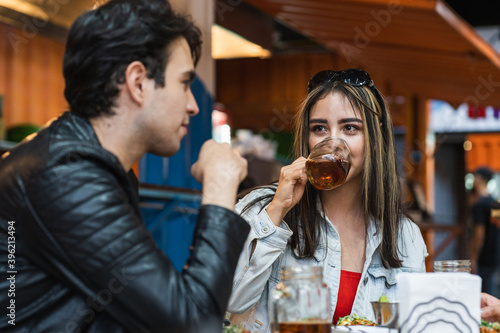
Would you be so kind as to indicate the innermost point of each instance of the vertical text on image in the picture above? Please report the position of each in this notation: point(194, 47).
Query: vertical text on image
point(11, 271)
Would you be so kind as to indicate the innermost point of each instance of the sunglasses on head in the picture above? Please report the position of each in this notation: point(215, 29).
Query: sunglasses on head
point(353, 77)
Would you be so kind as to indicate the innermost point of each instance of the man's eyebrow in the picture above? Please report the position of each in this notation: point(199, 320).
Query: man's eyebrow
point(190, 75)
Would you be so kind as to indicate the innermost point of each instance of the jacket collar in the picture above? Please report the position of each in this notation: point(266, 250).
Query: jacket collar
point(70, 127)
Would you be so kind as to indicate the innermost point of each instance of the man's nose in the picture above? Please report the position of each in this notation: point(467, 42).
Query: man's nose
point(192, 106)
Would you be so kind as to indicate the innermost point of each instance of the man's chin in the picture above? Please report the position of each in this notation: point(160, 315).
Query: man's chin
point(166, 151)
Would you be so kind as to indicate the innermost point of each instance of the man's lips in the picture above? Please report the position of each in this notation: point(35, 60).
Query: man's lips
point(185, 128)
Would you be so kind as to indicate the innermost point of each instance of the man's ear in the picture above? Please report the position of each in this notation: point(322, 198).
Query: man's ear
point(135, 76)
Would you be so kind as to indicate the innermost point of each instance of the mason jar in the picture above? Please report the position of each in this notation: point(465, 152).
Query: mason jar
point(301, 301)
point(453, 266)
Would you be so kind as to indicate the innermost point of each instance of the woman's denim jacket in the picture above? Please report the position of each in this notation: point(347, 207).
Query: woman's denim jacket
point(256, 278)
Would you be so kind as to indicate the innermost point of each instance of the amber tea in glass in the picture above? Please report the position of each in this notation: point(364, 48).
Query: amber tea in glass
point(301, 301)
point(305, 327)
point(328, 164)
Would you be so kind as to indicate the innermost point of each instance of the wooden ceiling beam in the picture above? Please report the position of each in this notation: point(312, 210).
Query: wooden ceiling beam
point(425, 46)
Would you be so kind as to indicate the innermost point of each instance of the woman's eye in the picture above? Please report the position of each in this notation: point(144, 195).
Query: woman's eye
point(351, 128)
point(318, 128)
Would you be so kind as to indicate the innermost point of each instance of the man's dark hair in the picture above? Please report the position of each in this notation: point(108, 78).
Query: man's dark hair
point(103, 42)
point(485, 173)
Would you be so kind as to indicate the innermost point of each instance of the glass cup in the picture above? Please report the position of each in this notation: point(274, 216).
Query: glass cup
point(452, 266)
point(328, 163)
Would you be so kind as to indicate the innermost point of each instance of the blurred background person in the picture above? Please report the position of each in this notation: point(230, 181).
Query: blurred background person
point(484, 251)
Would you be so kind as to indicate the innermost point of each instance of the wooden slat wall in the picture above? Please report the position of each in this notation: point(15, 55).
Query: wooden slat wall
point(264, 93)
point(31, 78)
point(3, 57)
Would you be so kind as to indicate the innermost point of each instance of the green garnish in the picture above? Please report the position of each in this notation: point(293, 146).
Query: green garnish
point(350, 318)
point(232, 329)
point(486, 324)
point(384, 299)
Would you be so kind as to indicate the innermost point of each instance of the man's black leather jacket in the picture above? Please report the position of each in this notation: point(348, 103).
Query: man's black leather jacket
point(82, 260)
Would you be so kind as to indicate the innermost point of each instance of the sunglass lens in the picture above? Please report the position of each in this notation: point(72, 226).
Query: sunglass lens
point(319, 79)
point(356, 77)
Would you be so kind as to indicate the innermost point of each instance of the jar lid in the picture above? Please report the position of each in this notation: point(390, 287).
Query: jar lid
point(452, 266)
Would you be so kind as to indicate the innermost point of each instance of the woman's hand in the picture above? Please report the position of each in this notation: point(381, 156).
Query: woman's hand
point(490, 307)
point(290, 189)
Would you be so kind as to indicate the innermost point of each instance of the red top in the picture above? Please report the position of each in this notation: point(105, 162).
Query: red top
point(347, 291)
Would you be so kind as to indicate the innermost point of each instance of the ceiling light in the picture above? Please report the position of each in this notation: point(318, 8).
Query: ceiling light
point(25, 7)
point(228, 45)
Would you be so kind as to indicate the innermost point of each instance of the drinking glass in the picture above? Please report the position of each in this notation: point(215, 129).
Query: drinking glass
point(328, 163)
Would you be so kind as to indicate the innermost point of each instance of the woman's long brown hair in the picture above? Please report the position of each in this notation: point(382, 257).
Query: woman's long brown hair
point(380, 191)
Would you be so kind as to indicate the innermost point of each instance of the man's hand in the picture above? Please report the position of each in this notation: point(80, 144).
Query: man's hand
point(220, 170)
point(490, 307)
point(291, 186)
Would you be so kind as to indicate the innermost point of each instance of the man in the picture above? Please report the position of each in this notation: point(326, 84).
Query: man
point(76, 256)
point(486, 236)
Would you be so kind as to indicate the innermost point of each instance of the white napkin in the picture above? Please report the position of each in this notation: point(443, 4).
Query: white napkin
point(439, 302)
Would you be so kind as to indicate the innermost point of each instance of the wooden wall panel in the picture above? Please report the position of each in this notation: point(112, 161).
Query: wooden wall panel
point(30, 78)
point(36, 92)
point(229, 80)
point(276, 88)
point(265, 93)
point(259, 92)
point(18, 85)
point(3, 57)
point(485, 151)
point(293, 87)
point(55, 78)
point(250, 68)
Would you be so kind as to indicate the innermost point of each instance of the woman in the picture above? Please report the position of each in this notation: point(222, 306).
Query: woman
point(356, 232)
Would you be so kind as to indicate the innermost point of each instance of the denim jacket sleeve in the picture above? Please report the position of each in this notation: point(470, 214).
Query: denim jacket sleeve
point(254, 270)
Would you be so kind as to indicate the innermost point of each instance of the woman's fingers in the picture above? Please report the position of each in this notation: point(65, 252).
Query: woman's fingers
point(295, 171)
point(290, 189)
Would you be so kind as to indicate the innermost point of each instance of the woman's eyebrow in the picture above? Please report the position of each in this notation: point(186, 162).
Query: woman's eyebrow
point(350, 120)
point(318, 121)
